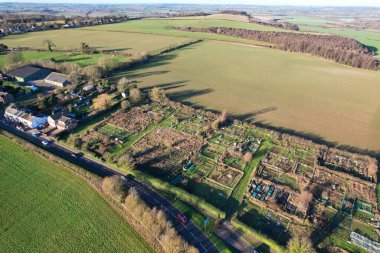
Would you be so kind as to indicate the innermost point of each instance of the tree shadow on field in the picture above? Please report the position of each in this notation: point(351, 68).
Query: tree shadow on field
point(136, 69)
point(187, 94)
point(116, 49)
point(167, 86)
point(155, 61)
point(252, 115)
point(73, 59)
point(146, 74)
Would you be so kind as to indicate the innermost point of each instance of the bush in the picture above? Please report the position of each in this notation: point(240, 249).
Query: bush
point(113, 186)
point(157, 224)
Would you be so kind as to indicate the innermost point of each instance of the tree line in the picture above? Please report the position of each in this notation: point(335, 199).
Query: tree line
point(276, 24)
point(332, 47)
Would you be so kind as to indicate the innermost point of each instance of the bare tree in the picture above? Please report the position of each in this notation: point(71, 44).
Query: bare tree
point(113, 186)
point(49, 43)
point(122, 84)
point(135, 95)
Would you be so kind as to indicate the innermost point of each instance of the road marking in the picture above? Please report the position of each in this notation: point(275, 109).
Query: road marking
point(203, 247)
point(193, 235)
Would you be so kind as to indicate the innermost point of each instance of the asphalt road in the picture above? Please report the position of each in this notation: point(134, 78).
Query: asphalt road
point(190, 232)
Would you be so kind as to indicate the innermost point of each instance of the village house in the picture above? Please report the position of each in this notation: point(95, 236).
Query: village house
point(58, 79)
point(23, 117)
point(62, 122)
point(28, 73)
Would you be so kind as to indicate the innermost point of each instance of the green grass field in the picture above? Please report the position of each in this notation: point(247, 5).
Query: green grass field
point(133, 36)
point(369, 38)
point(45, 208)
point(82, 60)
point(164, 27)
point(229, 17)
point(95, 37)
point(290, 90)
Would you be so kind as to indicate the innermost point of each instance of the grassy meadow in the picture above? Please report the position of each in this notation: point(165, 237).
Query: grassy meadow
point(45, 208)
point(80, 59)
point(289, 90)
point(230, 17)
point(133, 36)
point(368, 38)
point(100, 39)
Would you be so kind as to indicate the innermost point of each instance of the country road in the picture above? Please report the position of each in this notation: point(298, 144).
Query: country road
point(190, 232)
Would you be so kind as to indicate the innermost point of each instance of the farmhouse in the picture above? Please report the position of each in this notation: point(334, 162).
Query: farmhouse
point(5, 98)
point(23, 117)
point(57, 79)
point(62, 122)
point(28, 73)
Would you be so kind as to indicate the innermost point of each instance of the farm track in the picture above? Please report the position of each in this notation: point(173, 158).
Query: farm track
point(190, 232)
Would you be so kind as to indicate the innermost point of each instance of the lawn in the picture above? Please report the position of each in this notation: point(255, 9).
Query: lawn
point(45, 208)
point(82, 60)
point(95, 37)
point(289, 90)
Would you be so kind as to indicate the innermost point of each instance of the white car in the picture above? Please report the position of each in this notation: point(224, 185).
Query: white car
point(45, 143)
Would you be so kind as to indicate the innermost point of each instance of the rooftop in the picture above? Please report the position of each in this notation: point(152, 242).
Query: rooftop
point(24, 72)
point(57, 77)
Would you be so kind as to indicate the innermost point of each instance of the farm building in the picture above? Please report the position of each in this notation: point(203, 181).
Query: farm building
point(62, 122)
point(5, 98)
point(25, 118)
point(57, 79)
point(28, 73)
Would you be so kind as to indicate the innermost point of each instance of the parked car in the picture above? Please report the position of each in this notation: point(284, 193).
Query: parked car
point(130, 177)
point(35, 135)
point(182, 218)
point(77, 155)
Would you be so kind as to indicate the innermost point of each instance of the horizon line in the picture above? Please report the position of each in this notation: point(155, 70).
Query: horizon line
point(199, 4)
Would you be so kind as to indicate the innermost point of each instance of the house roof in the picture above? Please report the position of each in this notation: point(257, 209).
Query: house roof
point(24, 72)
point(57, 77)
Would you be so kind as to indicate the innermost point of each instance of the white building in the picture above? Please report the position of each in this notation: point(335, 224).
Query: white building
point(27, 119)
point(58, 79)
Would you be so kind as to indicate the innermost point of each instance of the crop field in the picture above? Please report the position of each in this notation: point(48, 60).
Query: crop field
point(294, 91)
point(98, 38)
point(82, 60)
point(229, 17)
point(163, 27)
point(46, 208)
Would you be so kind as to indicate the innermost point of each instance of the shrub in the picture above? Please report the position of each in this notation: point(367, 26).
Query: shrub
point(113, 186)
point(102, 102)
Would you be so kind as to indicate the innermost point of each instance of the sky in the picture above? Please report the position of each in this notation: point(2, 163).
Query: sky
point(253, 2)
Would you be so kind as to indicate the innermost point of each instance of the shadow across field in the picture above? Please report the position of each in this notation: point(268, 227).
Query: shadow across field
point(73, 59)
point(167, 86)
point(133, 70)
